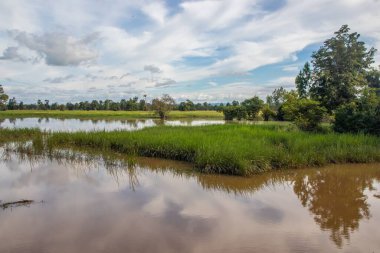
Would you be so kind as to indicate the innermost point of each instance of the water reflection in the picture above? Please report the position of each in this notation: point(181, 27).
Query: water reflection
point(53, 124)
point(109, 203)
point(337, 200)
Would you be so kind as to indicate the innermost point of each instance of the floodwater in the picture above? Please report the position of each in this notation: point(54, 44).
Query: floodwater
point(97, 204)
point(72, 125)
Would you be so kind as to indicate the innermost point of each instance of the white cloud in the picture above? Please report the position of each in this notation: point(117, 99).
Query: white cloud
point(58, 49)
point(130, 36)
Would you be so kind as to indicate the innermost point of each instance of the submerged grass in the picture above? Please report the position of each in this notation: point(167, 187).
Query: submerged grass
point(16, 135)
point(231, 149)
point(106, 114)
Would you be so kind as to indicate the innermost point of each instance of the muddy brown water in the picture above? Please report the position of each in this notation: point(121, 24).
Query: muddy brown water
point(163, 206)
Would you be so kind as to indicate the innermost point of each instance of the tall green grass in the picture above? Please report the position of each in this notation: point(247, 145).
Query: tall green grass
point(16, 135)
point(232, 149)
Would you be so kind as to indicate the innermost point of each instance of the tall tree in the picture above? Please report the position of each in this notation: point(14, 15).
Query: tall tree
point(253, 106)
point(3, 98)
point(373, 78)
point(163, 105)
point(339, 69)
point(303, 81)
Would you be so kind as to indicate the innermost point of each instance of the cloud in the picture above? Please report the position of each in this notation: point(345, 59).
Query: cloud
point(58, 49)
point(165, 82)
point(156, 10)
point(10, 53)
point(152, 69)
point(59, 79)
point(189, 41)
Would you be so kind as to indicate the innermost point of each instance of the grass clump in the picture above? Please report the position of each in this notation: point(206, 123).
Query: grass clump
point(232, 149)
point(16, 135)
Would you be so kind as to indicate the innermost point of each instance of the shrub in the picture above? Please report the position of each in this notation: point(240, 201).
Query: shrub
point(307, 114)
point(234, 112)
point(362, 116)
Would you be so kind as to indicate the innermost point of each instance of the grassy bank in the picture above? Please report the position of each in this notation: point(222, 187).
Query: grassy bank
point(106, 114)
point(232, 149)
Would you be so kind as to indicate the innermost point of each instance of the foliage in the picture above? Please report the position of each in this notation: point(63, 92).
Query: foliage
point(3, 98)
point(162, 106)
point(303, 81)
point(252, 106)
point(268, 113)
point(373, 79)
point(340, 69)
point(234, 112)
point(361, 116)
point(307, 114)
point(232, 148)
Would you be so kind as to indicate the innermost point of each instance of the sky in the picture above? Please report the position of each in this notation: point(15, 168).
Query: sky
point(203, 50)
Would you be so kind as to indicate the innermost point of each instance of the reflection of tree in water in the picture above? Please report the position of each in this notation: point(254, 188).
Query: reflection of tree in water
point(336, 198)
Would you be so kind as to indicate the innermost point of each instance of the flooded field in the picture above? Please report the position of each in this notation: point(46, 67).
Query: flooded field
point(72, 125)
point(91, 203)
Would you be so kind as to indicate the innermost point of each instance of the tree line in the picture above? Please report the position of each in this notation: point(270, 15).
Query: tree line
point(338, 86)
point(132, 104)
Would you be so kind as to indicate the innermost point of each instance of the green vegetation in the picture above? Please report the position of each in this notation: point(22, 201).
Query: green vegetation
point(15, 135)
point(231, 149)
point(248, 109)
point(106, 114)
point(162, 106)
point(3, 99)
point(360, 116)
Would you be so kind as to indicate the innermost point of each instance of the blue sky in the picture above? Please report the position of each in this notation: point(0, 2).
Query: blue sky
point(204, 50)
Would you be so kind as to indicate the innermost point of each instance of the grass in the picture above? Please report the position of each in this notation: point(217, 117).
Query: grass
point(16, 135)
point(106, 114)
point(231, 149)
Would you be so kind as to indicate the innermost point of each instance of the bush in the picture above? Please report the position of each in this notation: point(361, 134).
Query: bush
point(307, 114)
point(362, 116)
point(232, 112)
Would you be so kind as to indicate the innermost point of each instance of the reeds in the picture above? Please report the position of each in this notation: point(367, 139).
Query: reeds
point(232, 149)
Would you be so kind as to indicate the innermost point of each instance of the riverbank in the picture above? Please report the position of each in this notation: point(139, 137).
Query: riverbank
point(226, 149)
point(107, 114)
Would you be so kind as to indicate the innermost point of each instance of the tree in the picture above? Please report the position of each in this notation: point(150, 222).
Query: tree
point(3, 98)
point(253, 106)
point(373, 79)
point(277, 98)
point(162, 106)
point(340, 69)
point(12, 104)
point(234, 111)
point(303, 81)
point(268, 112)
point(307, 114)
point(361, 116)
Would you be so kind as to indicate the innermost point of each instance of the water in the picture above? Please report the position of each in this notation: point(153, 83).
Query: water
point(72, 125)
point(95, 204)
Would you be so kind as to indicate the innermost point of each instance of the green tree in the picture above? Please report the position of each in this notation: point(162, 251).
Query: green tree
point(307, 114)
point(303, 81)
point(253, 106)
point(361, 116)
point(232, 112)
point(340, 69)
point(373, 79)
point(162, 106)
point(3, 98)
point(268, 112)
